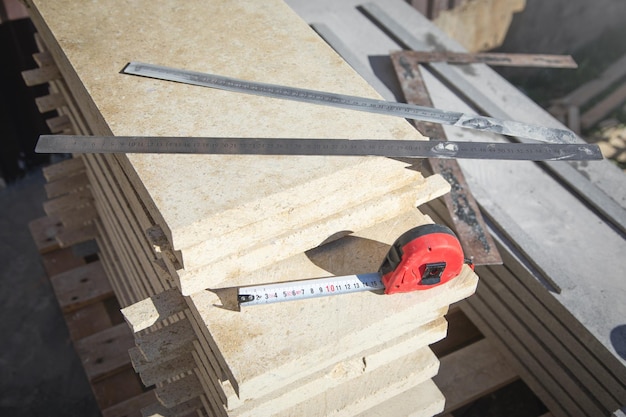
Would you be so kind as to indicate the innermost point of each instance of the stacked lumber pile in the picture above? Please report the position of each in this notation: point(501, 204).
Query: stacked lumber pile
point(101, 338)
point(554, 307)
point(558, 358)
point(176, 231)
point(593, 101)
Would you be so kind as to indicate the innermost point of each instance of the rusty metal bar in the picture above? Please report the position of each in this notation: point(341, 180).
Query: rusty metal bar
point(468, 222)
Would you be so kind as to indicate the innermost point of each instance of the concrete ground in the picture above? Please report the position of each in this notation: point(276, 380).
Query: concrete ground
point(40, 373)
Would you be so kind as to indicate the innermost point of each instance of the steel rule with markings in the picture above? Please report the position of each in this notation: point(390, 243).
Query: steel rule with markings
point(562, 144)
point(321, 147)
point(422, 258)
point(408, 111)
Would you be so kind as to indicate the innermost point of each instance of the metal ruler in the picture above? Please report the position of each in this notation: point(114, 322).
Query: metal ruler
point(409, 111)
point(334, 147)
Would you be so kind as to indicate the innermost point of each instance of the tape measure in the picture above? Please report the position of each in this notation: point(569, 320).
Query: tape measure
point(422, 258)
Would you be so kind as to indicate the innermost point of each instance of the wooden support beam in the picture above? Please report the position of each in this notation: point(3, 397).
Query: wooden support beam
point(106, 352)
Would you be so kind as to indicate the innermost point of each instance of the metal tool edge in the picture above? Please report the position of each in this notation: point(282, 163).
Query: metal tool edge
point(317, 147)
point(408, 111)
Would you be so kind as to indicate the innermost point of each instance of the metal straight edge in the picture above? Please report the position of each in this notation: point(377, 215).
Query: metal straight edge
point(468, 221)
point(429, 114)
point(596, 198)
point(317, 147)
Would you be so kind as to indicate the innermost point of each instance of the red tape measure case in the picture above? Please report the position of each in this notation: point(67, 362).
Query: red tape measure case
point(422, 258)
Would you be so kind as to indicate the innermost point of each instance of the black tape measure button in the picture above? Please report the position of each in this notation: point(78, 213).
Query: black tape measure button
point(432, 273)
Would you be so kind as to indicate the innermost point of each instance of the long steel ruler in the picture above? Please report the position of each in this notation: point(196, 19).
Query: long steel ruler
point(333, 147)
point(408, 111)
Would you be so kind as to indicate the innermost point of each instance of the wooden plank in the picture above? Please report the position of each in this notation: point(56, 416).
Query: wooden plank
point(588, 91)
point(551, 359)
point(130, 407)
point(69, 202)
point(422, 400)
point(475, 310)
point(50, 102)
point(68, 237)
point(60, 260)
point(494, 59)
point(66, 185)
point(105, 353)
point(472, 372)
point(183, 409)
point(600, 110)
point(160, 342)
point(356, 383)
point(547, 313)
point(88, 320)
point(166, 369)
point(81, 286)
point(159, 307)
point(60, 124)
point(44, 231)
point(43, 59)
point(436, 7)
point(78, 218)
point(421, 6)
point(179, 391)
point(63, 169)
point(117, 388)
point(461, 333)
point(38, 76)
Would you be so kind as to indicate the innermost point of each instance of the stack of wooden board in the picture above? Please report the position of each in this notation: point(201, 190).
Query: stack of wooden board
point(171, 226)
point(555, 308)
point(101, 338)
point(558, 358)
point(592, 102)
point(313, 357)
point(96, 327)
